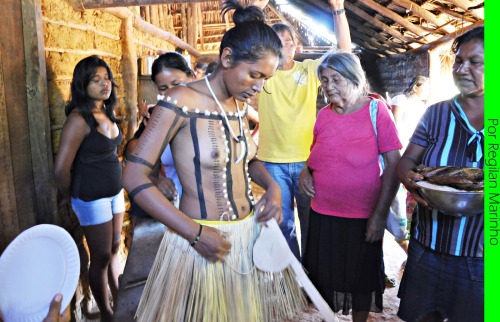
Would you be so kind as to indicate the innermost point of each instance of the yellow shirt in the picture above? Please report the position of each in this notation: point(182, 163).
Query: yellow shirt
point(287, 113)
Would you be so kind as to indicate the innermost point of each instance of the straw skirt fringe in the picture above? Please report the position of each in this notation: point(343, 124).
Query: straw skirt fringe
point(184, 286)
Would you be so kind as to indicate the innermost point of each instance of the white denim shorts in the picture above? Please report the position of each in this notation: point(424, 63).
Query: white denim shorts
point(98, 211)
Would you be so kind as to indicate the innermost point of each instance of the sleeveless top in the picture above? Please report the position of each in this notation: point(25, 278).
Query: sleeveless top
point(96, 172)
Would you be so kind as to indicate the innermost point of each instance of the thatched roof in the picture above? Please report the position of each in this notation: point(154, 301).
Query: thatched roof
point(383, 27)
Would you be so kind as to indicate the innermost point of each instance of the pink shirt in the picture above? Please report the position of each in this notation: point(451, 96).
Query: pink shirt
point(345, 160)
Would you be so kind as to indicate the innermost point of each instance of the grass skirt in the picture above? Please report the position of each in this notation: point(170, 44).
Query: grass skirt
point(184, 286)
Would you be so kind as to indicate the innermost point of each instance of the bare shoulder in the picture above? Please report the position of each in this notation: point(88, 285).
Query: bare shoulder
point(75, 118)
point(193, 95)
point(76, 123)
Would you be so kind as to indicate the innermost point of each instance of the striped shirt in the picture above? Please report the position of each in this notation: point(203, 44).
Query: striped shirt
point(449, 139)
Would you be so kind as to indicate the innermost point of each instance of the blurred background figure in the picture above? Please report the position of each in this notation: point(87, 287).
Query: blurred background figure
point(409, 107)
point(169, 70)
point(200, 70)
point(211, 67)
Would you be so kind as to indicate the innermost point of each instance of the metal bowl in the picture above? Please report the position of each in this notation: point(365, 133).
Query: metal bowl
point(454, 203)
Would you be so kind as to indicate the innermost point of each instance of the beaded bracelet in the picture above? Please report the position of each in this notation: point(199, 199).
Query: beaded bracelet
point(197, 239)
point(338, 12)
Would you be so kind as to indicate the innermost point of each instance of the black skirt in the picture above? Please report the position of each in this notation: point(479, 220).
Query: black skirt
point(345, 269)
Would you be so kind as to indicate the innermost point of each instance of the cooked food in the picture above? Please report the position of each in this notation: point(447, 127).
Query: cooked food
point(464, 178)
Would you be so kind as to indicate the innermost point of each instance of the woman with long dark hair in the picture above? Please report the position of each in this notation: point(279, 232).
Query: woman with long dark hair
point(88, 172)
point(204, 269)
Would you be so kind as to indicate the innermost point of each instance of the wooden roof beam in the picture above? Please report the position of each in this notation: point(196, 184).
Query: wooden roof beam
point(367, 30)
point(146, 27)
point(424, 14)
point(447, 38)
point(369, 47)
point(465, 5)
point(369, 19)
point(376, 44)
point(283, 18)
point(82, 5)
point(377, 23)
point(451, 13)
point(393, 16)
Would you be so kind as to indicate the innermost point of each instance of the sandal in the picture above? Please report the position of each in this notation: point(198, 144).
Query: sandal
point(390, 281)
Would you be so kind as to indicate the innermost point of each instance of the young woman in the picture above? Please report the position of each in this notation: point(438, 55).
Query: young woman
point(88, 171)
point(204, 270)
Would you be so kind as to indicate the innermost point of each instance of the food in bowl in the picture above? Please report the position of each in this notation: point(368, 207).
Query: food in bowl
point(452, 201)
point(463, 178)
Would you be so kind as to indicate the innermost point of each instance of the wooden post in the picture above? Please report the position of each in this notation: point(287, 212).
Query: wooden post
point(184, 23)
point(192, 20)
point(129, 73)
point(38, 114)
point(200, 25)
point(161, 19)
point(9, 226)
point(147, 13)
point(155, 20)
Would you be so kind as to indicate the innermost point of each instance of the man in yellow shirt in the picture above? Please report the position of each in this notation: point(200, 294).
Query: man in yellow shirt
point(287, 113)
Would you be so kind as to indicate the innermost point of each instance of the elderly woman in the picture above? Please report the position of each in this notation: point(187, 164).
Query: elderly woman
point(445, 265)
point(350, 197)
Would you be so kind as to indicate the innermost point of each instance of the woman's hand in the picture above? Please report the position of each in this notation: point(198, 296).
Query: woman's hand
point(336, 4)
point(306, 183)
point(410, 185)
point(269, 206)
point(167, 187)
point(144, 111)
point(212, 244)
point(409, 161)
point(375, 228)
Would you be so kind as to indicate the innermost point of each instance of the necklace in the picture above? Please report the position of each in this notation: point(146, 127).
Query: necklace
point(239, 138)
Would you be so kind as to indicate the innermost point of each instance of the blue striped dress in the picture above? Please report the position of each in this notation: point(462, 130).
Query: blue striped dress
point(449, 139)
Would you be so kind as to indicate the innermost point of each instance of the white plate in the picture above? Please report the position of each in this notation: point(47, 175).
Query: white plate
point(42, 261)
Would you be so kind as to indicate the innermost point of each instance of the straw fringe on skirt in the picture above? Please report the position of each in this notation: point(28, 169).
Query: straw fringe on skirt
point(184, 286)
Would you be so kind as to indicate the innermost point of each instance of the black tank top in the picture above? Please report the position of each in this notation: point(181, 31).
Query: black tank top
point(96, 172)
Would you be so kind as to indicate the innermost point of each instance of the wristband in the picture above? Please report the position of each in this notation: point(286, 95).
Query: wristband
point(338, 12)
point(197, 239)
